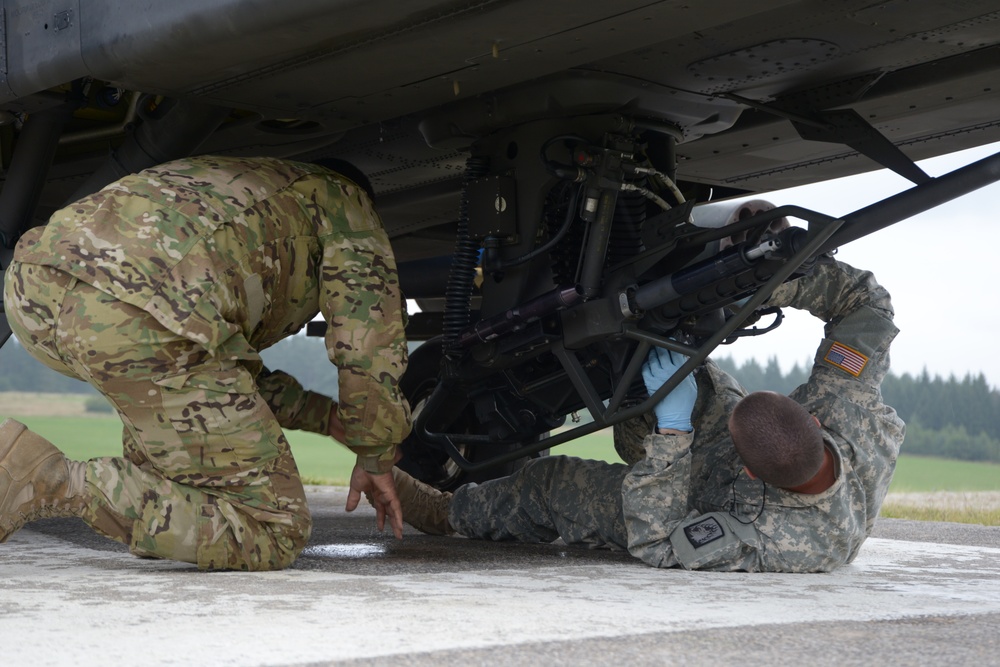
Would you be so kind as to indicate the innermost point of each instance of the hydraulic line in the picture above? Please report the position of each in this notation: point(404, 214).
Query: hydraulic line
point(568, 220)
point(648, 194)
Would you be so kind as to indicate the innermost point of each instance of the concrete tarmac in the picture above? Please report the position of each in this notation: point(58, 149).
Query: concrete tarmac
point(918, 594)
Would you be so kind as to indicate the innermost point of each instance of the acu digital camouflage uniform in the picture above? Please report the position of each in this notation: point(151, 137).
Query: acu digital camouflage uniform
point(686, 503)
point(160, 290)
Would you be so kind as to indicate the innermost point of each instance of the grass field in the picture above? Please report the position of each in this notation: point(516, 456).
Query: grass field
point(964, 491)
point(321, 459)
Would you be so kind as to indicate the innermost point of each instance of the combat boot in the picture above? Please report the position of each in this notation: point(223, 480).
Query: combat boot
point(36, 480)
point(424, 507)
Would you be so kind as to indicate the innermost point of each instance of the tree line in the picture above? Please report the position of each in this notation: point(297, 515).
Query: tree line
point(951, 418)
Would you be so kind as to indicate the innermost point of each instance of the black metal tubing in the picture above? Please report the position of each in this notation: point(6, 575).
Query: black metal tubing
point(879, 215)
point(916, 200)
point(578, 377)
point(808, 251)
point(516, 318)
point(6, 254)
point(756, 221)
point(631, 371)
point(568, 220)
point(437, 397)
point(611, 415)
point(33, 154)
point(825, 234)
point(597, 245)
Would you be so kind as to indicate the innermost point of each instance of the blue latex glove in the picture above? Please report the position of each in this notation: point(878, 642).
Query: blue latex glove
point(674, 411)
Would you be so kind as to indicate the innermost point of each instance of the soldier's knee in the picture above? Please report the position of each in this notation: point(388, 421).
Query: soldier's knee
point(538, 475)
point(289, 542)
point(232, 536)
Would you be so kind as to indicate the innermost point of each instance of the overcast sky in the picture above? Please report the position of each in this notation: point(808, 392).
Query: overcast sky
point(942, 269)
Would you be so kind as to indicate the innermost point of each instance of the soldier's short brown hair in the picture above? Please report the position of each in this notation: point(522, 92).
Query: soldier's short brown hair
point(777, 439)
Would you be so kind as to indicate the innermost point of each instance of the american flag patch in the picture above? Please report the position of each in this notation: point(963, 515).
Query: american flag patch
point(846, 359)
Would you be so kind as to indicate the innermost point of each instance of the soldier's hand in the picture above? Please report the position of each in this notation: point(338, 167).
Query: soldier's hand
point(381, 492)
point(674, 411)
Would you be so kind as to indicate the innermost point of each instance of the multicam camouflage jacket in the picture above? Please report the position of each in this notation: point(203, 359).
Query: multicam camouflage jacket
point(687, 503)
point(236, 254)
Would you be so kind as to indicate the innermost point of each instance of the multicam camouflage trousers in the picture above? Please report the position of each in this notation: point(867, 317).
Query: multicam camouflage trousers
point(207, 475)
point(578, 500)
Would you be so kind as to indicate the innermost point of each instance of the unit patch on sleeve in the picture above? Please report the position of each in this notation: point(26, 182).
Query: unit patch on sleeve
point(705, 531)
point(846, 359)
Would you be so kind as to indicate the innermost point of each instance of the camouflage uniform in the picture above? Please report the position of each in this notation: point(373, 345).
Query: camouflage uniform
point(160, 290)
point(687, 504)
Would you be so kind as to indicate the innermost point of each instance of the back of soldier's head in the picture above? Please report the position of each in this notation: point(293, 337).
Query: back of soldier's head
point(777, 439)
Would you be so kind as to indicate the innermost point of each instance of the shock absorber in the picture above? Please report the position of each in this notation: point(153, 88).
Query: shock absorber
point(461, 278)
point(626, 234)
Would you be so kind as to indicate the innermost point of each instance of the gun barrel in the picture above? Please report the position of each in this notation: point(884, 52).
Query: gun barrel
point(517, 318)
point(690, 279)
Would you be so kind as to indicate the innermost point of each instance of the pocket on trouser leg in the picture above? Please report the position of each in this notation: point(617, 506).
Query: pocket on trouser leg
point(223, 431)
point(168, 523)
point(182, 524)
point(270, 518)
point(239, 537)
point(214, 552)
point(263, 525)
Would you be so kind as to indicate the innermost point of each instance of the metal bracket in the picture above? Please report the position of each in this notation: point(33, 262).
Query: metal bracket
point(844, 126)
point(63, 20)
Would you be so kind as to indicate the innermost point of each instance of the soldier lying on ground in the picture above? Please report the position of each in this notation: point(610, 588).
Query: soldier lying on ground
point(160, 290)
point(728, 481)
